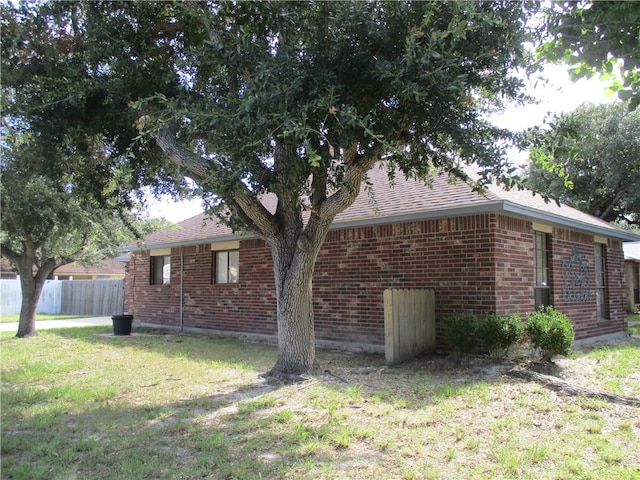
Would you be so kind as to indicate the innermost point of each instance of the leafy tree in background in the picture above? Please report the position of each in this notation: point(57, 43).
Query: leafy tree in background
point(58, 84)
point(590, 159)
point(290, 104)
point(68, 163)
point(597, 37)
point(49, 220)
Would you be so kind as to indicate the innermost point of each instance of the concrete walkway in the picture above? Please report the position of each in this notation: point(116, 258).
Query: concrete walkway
point(69, 323)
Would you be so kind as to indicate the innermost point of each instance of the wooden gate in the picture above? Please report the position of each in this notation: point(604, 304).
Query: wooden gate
point(409, 324)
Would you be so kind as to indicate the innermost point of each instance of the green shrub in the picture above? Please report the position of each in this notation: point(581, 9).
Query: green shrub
point(461, 331)
point(550, 331)
point(498, 333)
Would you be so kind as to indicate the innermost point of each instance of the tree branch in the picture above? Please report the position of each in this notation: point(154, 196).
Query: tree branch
point(10, 255)
point(614, 203)
point(356, 168)
point(48, 266)
point(194, 164)
point(262, 219)
point(318, 188)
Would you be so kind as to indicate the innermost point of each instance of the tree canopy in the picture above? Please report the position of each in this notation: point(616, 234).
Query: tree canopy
point(57, 84)
point(590, 159)
point(68, 160)
point(597, 38)
point(295, 101)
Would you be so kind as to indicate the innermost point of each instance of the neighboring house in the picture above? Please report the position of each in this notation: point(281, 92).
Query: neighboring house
point(632, 274)
point(504, 252)
point(112, 269)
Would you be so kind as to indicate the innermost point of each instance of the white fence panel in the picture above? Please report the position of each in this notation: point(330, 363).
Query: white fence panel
point(73, 297)
point(51, 297)
point(11, 296)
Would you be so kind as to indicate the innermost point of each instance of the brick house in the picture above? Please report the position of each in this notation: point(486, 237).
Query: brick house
point(504, 252)
point(632, 275)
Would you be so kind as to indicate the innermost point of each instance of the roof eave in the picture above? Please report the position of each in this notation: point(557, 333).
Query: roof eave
point(566, 222)
point(494, 206)
point(489, 207)
point(185, 243)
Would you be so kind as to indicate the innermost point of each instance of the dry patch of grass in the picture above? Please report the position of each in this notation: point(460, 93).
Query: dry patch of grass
point(79, 405)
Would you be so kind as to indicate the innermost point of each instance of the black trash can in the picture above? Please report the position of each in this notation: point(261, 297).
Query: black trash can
point(122, 324)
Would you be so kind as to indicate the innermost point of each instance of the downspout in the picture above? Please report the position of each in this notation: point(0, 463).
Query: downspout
point(181, 289)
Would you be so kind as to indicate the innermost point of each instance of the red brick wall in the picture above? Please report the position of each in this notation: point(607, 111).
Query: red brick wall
point(514, 257)
point(157, 304)
point(482, 263)
point(357, 265)
point(580, 304)
point(246, 307)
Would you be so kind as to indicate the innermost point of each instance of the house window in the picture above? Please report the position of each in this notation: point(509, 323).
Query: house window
point(226, 265)
point(541, 260)
point(601, 281)
point(160, 269)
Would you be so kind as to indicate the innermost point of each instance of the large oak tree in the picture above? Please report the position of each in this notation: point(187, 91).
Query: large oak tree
point(590, 159)
point(298, 100)
point(47, 219)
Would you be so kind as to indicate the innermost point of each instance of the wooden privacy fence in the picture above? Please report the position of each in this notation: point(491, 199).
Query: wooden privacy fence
point(409, 324)
point(73, 297)
point(93, 297)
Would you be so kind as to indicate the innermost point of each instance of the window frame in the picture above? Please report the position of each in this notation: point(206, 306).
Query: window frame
point(600, 271)
point(162, 264)
point(541, 270)
point(231, 271)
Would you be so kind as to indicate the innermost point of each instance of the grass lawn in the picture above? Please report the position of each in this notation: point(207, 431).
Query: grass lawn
point(634, 323)
point(14, 317)
point(76, 404)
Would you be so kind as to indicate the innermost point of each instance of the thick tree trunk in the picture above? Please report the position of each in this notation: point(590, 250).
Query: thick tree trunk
point(31, 290)
point(293, 268)
point(31, 283)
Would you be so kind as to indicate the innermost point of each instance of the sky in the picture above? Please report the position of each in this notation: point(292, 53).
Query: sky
point(558, 95)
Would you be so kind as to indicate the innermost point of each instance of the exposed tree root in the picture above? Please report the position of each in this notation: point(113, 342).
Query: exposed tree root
point(555, 383)
point(286, 378)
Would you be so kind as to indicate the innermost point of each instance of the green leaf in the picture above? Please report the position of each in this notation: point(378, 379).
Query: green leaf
point(625, 94)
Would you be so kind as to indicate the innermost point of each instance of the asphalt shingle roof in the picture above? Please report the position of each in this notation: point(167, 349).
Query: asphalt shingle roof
point(407, 200)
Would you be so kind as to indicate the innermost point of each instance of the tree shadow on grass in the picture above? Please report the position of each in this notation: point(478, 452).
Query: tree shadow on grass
point(250, 430)
point(202, 437)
